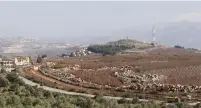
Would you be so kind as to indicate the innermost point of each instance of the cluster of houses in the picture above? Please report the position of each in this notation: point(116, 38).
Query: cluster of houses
point(78, 53)
point(9, 65)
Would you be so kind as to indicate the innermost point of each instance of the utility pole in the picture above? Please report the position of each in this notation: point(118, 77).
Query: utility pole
point(127, 41)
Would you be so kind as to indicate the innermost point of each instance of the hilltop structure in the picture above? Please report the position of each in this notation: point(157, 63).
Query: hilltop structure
point(153, 35)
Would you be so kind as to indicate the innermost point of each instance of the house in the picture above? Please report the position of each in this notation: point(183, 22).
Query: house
point(49, 64)
point(6, 65)
point(36, 68)
point(19, 61)
point(9, 69)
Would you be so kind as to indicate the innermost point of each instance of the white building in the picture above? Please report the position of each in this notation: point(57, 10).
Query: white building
point(19, 61)
point(36, 68)
point(7, 65)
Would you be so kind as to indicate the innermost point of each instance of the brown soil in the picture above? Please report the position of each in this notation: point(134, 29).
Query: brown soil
point(28, 72)
point(189, 75)
point(146, 61)
point(101, 77)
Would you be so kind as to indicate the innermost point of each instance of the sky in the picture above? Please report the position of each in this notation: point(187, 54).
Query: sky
point(67, 19)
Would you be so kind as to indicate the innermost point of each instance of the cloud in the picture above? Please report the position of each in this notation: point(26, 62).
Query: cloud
point(193, 17)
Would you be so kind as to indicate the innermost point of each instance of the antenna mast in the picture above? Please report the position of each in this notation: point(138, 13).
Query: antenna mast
point(154, 33)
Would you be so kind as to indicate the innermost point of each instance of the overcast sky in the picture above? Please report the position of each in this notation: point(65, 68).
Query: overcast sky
point(70, 19)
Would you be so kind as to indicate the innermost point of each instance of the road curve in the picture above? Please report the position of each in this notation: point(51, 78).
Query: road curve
point(31, 83)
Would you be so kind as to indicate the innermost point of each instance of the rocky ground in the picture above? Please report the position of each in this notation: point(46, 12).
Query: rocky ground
point(129, 77)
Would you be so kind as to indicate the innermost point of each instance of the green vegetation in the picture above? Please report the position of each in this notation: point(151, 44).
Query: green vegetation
point(130, 42)
point(178, 46)
point(108, 49)
point(111, 48)
point(16, 94)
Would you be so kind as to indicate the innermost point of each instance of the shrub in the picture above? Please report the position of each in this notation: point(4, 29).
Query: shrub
point(12, 77)
point(13, 100)
point(47, 94)
point(197, 105)
point(123, 101)
point(3, 82)
point(99, 98)
point(28, 101)
point(135, 100)
point(2, 102)
point(178, 46)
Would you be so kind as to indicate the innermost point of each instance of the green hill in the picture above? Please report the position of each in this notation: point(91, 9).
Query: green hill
point(111, 48)
point(129, 42)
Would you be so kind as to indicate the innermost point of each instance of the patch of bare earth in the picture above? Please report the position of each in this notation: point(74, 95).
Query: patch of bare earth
point(100, 77)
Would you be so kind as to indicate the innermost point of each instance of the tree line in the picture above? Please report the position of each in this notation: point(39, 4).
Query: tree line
point(109, 49)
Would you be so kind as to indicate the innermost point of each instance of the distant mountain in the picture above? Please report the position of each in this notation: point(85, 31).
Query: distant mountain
point(185, 33)
point(29, 44)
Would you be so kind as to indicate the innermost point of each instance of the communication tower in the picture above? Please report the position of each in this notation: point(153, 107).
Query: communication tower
point(154, 34)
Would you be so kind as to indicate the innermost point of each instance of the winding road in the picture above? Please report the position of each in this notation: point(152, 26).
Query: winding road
point(31, 83)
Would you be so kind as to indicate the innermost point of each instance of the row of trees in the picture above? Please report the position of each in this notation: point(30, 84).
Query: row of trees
point(108, 49)
point(182, 47)
point(178, 46)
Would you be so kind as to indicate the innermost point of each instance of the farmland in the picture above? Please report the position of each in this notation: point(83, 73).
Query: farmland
point(169, 73)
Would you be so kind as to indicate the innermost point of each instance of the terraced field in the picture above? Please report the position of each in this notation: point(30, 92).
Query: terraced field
point(188, 75)
point(177, 68)
point(155, 74)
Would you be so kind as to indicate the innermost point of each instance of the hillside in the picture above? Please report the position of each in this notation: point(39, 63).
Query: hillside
point(16, 94)
point(118, 46)
point(30, 45)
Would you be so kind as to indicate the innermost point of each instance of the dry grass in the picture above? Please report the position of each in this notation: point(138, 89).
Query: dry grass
point(106, 77)
point(100, 77)
point(189, 75)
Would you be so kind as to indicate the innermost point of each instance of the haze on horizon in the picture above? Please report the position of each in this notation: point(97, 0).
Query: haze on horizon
point(74, 22)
